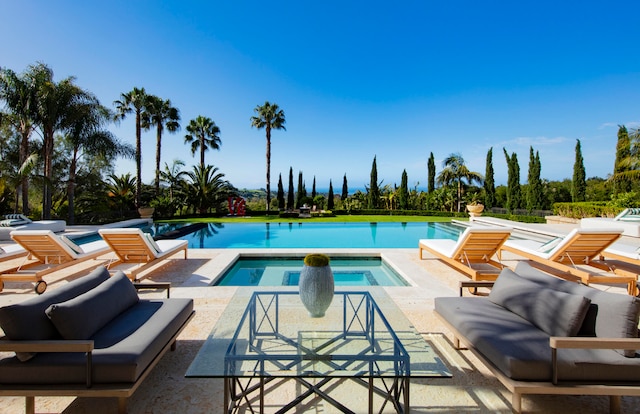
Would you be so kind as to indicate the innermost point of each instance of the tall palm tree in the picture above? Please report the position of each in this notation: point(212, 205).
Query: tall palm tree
point(203, 133)
point(455, 171)
point(160, 114)
point(19, 92)
point(59, 105)
point(135, 101)
point(268, 116)
point(87, 136)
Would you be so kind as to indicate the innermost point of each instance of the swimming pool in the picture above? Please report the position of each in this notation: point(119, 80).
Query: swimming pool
point(319, 235)
point(285, 271)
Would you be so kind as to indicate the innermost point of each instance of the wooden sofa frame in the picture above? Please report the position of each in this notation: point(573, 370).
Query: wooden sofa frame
point(554, 387)
point(122, 391)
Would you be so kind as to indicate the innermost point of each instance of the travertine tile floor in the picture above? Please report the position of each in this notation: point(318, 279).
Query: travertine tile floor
point(471, 390)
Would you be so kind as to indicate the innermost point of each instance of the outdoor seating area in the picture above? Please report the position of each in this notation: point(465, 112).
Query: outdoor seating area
point(12, 222)
point(510, 331)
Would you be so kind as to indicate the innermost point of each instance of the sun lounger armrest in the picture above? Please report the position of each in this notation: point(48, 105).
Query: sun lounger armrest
point(475, 284)
point(160, 285)
point(84, 346)
point(558, 342)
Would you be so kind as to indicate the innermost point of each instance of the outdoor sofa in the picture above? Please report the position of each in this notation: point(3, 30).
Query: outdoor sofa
point(543, 335)
point(93, 337)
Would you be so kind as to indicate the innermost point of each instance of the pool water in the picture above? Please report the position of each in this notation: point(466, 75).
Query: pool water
point(319, 235)
point(285, 271)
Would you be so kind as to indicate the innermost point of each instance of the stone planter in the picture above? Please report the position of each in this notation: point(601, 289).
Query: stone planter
point(146, 212)
point(475, 210)
point(316, 284)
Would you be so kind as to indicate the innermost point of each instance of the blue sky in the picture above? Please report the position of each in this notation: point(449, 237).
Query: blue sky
point(358, 79)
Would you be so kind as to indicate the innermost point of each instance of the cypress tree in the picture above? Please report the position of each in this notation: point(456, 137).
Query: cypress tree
point(330, 197)
point(313, 189)
point(534, 190)
point(489, 183)
point(302, 192)
point(345, 189)
point(403, 192)
point(290, 193)
point(579, 182)
point(280, 193)
point(374, 191)
point(621, 184)
point(431, 179)
point(514, 192)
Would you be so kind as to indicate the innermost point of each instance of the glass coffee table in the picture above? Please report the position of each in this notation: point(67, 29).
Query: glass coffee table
point(266, 335)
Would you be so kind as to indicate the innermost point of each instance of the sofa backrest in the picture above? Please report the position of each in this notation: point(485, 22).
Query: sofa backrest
point(610, 315)
point(27, 320)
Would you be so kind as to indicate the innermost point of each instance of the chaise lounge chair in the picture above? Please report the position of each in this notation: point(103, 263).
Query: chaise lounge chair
point(625, 255)
point(11, 251)
point(136, 251)
point(628, 220)
point(575, 256)
point(47, 253)
point(472, 253)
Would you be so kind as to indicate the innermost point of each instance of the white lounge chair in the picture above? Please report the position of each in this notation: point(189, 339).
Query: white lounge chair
point(135, 251)
point(472, 253)
point(628, 220)
point(575, 256)
point(47, 253)
point(11, 251)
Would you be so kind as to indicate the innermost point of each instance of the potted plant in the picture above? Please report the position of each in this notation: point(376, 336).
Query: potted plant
point(474, 207)
point(316, 284)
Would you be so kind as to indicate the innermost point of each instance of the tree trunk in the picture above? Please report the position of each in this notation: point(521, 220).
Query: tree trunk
point(158, 149)
point(268, 128)
point(24, 153)
point(138, 161)
point(202, 151)
point(48, 173)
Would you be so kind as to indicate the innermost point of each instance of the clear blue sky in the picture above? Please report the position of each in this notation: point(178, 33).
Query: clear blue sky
point(356, 79)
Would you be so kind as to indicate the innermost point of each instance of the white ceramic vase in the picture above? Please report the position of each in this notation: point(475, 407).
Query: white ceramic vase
point(316, 289)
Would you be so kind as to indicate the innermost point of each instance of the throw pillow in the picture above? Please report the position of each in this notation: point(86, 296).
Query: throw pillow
point(556, 313)
point(84, 315)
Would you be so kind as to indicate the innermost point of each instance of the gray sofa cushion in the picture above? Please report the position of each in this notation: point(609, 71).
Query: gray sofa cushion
point(610, 315)
point(521, 351)
point(27, 320)
point(556, 313)
point(514, 345)
point(84, 315)
point(123, 348)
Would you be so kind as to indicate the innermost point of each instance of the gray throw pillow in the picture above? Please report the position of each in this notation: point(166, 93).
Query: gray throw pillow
point(84, 315)
point(556, 313)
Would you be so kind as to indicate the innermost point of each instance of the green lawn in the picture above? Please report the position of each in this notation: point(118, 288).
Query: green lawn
point(338, 219)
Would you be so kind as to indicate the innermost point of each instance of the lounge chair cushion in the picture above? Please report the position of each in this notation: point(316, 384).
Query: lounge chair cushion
point(556, 313)
point(86, 314)
point(617, 314)
point(71, 244)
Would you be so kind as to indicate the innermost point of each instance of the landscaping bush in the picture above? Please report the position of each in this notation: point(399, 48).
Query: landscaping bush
point(586, 209)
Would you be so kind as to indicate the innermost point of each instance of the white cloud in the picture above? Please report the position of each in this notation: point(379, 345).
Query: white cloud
point(535, 141)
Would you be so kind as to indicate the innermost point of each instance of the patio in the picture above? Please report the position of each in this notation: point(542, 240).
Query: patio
point(472, 388)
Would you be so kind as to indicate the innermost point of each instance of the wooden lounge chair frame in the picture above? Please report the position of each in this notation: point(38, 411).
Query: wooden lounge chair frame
point(581, 247)
point(47, 253)
point(130, 245)
point(475, 247)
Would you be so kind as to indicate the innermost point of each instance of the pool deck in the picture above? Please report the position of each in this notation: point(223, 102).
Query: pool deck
point(473, 389)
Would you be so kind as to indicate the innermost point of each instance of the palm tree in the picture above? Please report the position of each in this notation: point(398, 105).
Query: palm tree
point(203, 134)
point(455, 171)
point(121, 191)
point(206, 188)
point(87, 136)
point(19, 92)
point(135, 101)
point(269, 116)
point(59, 106)
point(173, 176)
point(160, 114)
